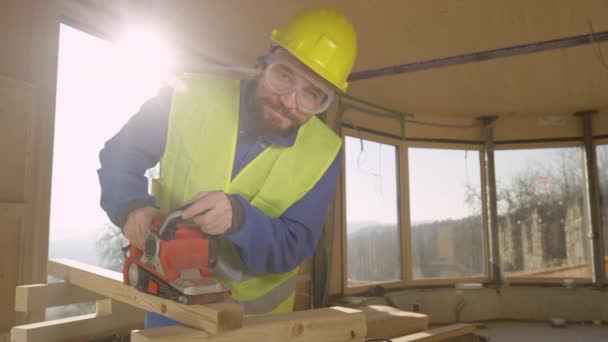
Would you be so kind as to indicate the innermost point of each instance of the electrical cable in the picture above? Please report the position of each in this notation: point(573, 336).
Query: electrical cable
point(378, 340)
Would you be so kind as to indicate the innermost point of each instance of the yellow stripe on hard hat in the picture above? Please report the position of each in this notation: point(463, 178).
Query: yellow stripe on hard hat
point(322, 39)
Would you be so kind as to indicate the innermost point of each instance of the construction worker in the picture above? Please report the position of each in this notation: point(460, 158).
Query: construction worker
point(249, 154)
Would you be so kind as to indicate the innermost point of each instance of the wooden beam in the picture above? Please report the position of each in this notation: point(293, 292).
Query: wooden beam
point(38, 297)
point(334, 324)
point(439, 334)
point(111, 319)
point(212, 318)
point(387, 322)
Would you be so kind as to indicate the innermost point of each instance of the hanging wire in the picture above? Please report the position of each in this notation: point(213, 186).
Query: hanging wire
point(595, 45)
point(357, 129)
point(362, 158)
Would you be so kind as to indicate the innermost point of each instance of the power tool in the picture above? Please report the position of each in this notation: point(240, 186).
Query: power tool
point(176, 263)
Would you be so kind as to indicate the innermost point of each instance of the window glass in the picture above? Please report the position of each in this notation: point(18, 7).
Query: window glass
point(372, 220)
point(445, 213)
point(540, 198)
point(602, 168)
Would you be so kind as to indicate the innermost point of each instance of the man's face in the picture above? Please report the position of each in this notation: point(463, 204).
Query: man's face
point(278, 114)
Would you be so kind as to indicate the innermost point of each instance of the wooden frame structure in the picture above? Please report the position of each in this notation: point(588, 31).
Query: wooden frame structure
point(119, 309)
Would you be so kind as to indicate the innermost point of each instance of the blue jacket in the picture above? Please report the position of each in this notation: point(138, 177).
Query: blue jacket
point(139, 145)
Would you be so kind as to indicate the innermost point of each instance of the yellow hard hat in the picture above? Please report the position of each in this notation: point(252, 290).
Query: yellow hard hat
point(322, 39)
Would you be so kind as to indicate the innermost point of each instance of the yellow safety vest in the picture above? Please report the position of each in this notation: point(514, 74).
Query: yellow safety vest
point(199, 156)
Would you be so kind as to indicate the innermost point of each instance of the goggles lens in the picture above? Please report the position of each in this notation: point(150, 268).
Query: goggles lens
point(311, 98)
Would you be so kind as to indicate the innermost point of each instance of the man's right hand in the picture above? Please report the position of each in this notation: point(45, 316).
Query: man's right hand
point(137, 225)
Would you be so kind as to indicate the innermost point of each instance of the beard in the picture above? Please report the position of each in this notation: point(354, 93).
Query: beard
point(268, 123)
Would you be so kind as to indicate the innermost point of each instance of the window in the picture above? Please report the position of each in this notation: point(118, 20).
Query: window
point(602, 168)
point(99, 87)
point(445, 211)
point(541, 221)
point(372, 219)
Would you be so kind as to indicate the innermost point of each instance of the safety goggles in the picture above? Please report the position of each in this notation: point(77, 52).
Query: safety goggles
point(311, 97)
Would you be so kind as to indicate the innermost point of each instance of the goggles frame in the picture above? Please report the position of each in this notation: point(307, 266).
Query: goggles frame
point(328, 92)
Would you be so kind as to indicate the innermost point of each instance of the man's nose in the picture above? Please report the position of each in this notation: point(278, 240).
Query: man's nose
point(289, 100)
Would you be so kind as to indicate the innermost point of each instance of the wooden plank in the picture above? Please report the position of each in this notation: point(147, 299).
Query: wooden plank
point(110, 319)
point(334, 324)
point(212, 318)
point(387, 322)
point(38, 297)
point(439, 334)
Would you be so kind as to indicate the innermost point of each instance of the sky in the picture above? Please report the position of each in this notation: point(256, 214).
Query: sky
point(437, 179)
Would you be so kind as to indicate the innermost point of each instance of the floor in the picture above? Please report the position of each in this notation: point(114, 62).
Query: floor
point(541, 332)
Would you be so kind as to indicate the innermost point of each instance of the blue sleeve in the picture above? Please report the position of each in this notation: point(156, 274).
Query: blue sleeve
point(280, 245)
point(137, 147)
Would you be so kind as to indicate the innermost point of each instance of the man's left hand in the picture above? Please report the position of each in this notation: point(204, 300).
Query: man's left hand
point(211, 211)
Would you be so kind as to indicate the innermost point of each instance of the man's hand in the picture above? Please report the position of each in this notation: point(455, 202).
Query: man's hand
point(138, 223)
point(211, 211)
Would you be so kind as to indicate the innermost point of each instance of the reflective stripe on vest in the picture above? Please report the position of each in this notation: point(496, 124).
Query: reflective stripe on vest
point(199, 156)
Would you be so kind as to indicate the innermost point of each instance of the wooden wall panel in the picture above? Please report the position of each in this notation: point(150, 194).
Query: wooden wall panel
point(21, 56)
point(14, 110)
point(9, 268)
point(16, 37)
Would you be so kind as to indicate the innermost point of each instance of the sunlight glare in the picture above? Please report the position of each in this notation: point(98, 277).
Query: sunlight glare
point(145, 56)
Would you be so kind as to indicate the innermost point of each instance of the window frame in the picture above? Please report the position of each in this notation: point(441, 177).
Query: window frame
point(482, 181)
point(602, 141)
point(402, 230)
point(404, 218)
point(101, 23)
point(402, 147)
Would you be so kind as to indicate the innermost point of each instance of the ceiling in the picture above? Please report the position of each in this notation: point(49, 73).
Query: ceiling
point(401, 31)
